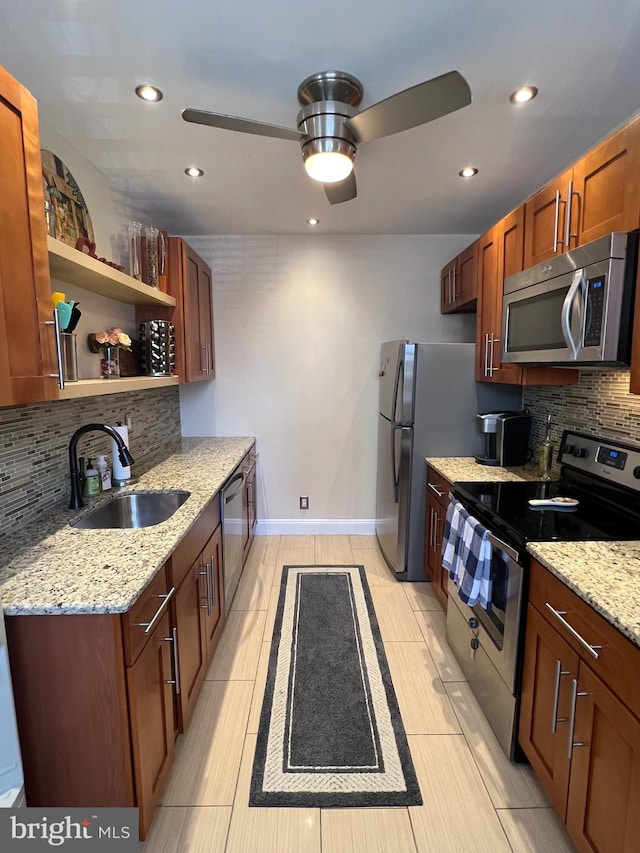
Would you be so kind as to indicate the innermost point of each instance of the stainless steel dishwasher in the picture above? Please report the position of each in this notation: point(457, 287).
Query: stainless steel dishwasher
point(232, 534)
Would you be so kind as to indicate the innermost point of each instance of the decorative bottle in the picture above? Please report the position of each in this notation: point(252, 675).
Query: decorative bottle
point(545, 453)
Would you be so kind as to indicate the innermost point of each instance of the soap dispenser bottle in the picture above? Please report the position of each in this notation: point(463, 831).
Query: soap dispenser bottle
point(545, 453)
point(91, 481)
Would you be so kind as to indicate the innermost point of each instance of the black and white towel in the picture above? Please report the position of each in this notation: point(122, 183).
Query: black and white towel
point(466, 555)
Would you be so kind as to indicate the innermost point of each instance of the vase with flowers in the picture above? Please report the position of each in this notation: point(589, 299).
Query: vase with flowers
point(109, 344)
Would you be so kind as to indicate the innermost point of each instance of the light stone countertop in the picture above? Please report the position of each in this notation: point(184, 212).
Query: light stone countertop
point(50, 567)
point(604, 574)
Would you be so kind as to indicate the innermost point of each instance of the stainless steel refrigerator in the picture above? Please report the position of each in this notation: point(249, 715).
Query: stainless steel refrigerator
point(427, 407)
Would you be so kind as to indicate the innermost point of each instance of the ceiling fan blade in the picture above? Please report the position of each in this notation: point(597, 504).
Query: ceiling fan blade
point(341, 191)
point(243, 125)
point(418, 105)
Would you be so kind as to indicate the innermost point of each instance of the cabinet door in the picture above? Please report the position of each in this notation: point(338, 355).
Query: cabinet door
point(447, 278)
point(550, 665)
point(249, 514)
point(489, 308)
point(214, 605)
point(545, 223)
point(27, 346)
point(465, 281)
point(197, 365)
point(603, 812)
point(152, 720)
point(606, 190)
point(190, 603)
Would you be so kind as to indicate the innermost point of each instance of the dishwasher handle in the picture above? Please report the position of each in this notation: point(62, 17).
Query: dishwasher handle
point(239, 477)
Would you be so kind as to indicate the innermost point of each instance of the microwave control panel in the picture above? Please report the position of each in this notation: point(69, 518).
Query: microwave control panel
point(595, 307)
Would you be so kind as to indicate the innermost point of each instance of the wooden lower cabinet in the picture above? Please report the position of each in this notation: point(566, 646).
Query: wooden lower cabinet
point(249, 510)
point(150, 683)
point(101, 698)
point(438, 489)
point(580, 721)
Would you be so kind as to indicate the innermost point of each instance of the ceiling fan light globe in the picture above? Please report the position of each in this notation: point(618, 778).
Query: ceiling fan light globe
point(328, 167)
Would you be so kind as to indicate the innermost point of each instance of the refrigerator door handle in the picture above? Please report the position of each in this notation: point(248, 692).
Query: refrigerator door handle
point(396, 386)
point(394, 464)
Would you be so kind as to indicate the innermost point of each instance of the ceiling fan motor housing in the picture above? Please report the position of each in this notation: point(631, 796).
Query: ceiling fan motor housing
point(329, 99)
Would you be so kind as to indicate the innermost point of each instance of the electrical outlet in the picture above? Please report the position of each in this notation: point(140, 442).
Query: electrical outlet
point(304, 502)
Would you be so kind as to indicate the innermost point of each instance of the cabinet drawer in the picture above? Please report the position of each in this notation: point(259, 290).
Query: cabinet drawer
point(136, 620)
point(618, 661)
point(192, 544)
point(438, 486)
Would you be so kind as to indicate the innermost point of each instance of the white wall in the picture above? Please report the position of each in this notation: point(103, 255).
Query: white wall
point(298, 326)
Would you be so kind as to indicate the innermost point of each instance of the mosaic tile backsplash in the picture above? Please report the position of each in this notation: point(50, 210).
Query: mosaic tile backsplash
point(600, 404)
point(34, 441)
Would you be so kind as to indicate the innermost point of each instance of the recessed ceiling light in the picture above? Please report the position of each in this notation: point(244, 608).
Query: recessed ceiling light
point(313, 221)
point(149, 93)
point(523, 94)
point(193, 172)
point(468, 172)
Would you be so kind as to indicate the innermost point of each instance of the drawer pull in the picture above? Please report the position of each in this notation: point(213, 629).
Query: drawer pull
point(207, 575)
point(559, 614)
point(437, 491)
point(149, 626)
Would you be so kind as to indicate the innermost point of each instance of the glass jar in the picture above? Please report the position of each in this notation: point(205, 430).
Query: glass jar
point(135, 250)
point(110, 363)
point(151, 235)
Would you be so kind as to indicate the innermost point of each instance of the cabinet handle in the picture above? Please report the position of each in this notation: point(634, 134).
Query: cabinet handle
point(572, 717)
point(174, 639)
point(56, 328)
point(207, 358)
point(206, 574)
point(486, 355)
point(437, 491)
point(559, 616)
point(556, 240)
point(493, 369)
point(567, 231)
point(149, 626)
point(453, 287)
point(556, 695)
point(432, 541)
point(212, 585)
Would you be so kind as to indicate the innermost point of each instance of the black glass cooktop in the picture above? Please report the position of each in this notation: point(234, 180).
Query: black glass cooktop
point(602, 513)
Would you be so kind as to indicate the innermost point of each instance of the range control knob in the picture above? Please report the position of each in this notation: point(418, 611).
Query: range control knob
point(473, 622)
point(636, 472)
point(475, 644)
point(568, 448)
point(580, 452)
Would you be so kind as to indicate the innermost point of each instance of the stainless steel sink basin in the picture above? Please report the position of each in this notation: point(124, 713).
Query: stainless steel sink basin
point(138, 509)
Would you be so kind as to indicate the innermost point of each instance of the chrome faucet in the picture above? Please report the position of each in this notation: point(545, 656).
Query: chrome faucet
point(123, 452)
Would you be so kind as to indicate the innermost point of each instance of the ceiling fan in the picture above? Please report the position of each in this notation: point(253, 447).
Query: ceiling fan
point(330, 125)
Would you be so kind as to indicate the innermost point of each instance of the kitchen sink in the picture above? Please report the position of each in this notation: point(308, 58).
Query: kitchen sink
point(138, 509)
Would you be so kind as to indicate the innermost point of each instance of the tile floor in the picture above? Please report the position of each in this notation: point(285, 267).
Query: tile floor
point(474, 799)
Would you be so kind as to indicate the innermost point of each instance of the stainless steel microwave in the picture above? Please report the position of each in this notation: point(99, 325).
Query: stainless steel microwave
point(576, 308)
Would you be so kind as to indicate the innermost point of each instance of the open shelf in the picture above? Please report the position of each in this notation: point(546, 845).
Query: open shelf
point(70, 265)
point(99, 387)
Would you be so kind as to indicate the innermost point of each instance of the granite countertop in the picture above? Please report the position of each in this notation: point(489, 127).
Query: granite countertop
point(604, 574)
point(64, 569)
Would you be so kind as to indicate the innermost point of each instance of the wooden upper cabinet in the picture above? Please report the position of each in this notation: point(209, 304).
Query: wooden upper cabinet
point(458, 283)
point(598, 195)
point(27, 345)
point(189, 281)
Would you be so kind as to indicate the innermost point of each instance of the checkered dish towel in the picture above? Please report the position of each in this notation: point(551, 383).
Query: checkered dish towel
point(466, 555)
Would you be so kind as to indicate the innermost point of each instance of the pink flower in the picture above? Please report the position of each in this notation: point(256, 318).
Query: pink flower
point(101, 337)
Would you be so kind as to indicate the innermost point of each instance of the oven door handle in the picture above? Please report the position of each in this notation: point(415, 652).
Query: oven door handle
point(565, 317)
point(502, 546)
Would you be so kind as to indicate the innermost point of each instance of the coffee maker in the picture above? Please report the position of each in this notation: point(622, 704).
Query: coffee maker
point(506, 437)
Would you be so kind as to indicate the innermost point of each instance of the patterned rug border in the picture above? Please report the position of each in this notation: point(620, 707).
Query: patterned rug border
point(258, 797)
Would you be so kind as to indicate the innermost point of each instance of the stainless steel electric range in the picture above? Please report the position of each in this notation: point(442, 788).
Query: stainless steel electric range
point(601, 478)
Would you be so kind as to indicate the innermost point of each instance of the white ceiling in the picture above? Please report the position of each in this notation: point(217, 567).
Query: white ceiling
point(83, 58)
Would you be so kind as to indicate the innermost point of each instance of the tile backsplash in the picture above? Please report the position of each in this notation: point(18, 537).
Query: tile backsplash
point(600, 404)
point(34, 440)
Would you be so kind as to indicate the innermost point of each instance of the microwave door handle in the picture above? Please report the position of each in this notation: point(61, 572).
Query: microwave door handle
point(565, 319)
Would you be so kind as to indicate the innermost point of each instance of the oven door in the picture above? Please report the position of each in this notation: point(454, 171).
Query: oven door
point(572, 318)
point(486, 642)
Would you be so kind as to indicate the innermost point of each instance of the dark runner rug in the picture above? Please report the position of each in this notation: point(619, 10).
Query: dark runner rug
point(330, 730)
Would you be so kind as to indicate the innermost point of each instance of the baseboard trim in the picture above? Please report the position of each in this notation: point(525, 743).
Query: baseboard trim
point(321, 526)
